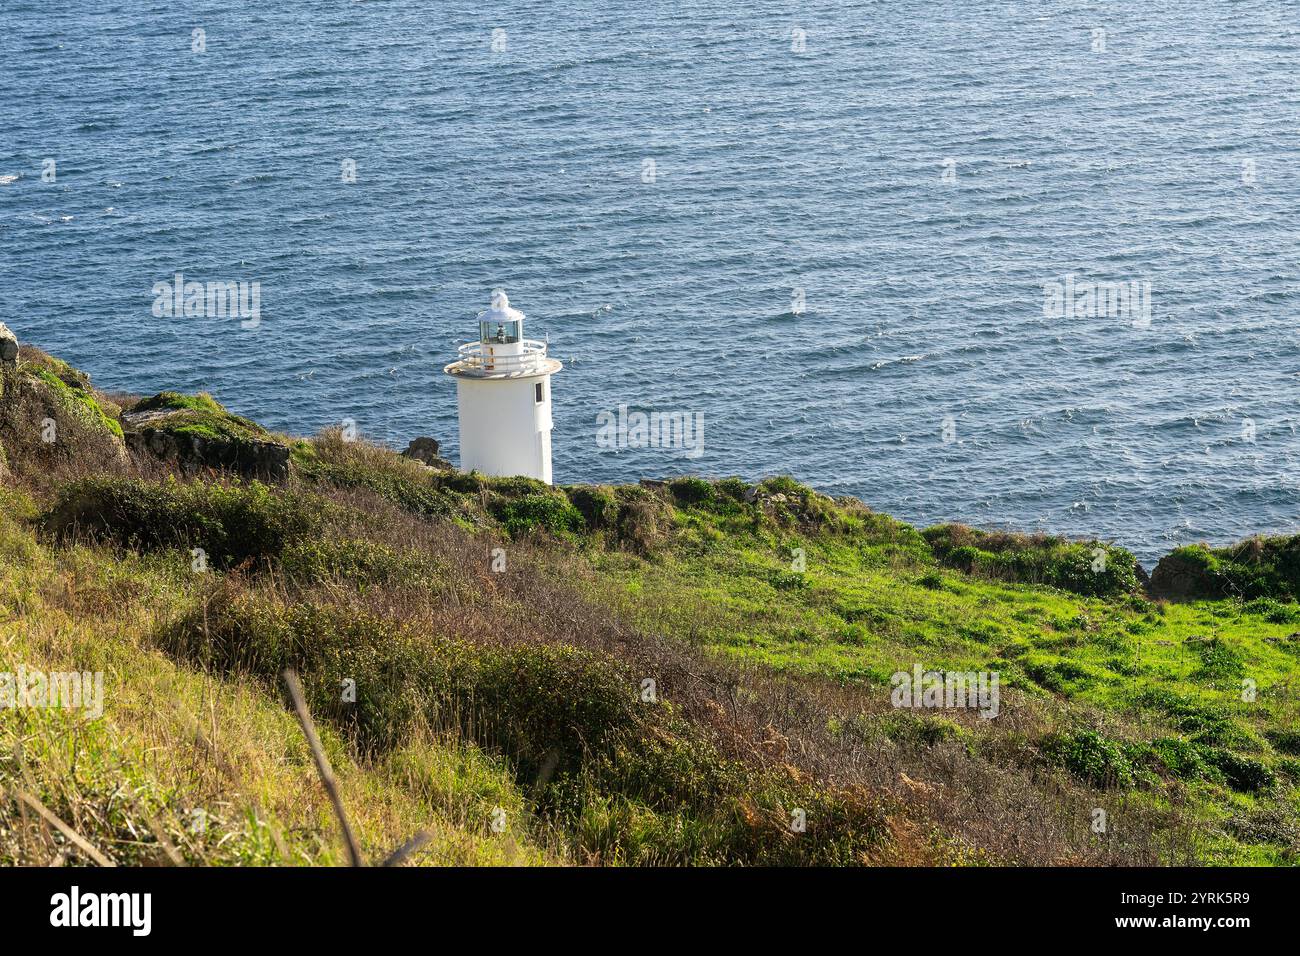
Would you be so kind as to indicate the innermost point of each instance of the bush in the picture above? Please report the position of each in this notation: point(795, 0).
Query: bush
point(1251, 569)
point(550, 512)
point(1182, 758)
point(733, 488)
point(357, 562)
point(530, 702)
point(329, 460)
point(596, 504)
point(643, 519)
point(691, 492)
point(234, 523)
point(1089, 568)
point(1242, 773)
point(1285, 741)
point(1096, 759)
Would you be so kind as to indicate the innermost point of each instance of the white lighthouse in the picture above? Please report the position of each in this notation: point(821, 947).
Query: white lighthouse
point(503, 392)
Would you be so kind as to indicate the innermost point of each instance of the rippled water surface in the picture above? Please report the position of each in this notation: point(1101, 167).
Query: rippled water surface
point(774, 170)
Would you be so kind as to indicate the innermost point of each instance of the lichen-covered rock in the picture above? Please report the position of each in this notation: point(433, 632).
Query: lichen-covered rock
point(197, 433)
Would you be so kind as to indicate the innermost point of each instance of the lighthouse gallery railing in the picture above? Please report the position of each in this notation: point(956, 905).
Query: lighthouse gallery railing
point(474, 357)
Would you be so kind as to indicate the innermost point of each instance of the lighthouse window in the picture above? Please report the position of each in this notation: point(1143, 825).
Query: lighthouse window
point(499, 333)
point(540, 391)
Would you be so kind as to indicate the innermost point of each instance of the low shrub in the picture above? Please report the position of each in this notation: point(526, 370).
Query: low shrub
point(605, 766)
point(549, 512)
point(1252, 569)
point(1089, 568)
point(596, 504)
point(691, 492)
point(1245, 774)
point(1096, 759)
point(233, 523)
point(1285, 741)
point(328, 459)
point(355, 562)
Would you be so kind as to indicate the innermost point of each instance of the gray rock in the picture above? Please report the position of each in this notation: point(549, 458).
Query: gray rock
point(423, 449)
point(1176, 578)
point(194, 454)
point(8, 345)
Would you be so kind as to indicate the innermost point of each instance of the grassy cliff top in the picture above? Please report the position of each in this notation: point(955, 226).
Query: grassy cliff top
point(668, 672)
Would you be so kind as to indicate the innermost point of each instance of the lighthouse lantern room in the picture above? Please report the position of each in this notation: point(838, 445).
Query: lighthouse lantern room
point(503, 395)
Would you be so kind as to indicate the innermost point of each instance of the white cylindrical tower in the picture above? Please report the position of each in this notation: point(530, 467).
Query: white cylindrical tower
point(503, 394)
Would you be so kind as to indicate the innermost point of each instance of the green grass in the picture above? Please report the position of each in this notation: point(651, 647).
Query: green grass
point(215, 767)
point(773, 617)
point(1210, 681)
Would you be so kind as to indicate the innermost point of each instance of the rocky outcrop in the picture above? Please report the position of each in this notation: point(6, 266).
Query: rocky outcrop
point(1259, 567)
point(50, 416)
point(425, 451)
point(8, 369)
point(8, 384)
point(196, 433)
point(1181, 576)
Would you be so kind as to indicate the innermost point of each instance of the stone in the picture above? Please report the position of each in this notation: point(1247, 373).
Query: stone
point(423, 449)
point(199, 434)
point(8, 345)
point(1176, 578)
point(8, 369)
point(248, 457)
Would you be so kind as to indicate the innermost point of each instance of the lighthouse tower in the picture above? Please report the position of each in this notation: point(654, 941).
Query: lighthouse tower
point(503, 392)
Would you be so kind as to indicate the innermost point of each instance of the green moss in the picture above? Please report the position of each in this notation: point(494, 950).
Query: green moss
point(72, 391)
point(176, 401)
point(198, 416)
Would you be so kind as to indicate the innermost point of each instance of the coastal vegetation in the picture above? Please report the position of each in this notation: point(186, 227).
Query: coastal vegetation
point(686, 671)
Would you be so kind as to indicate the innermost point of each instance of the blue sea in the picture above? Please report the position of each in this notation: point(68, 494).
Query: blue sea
point(826, 227)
